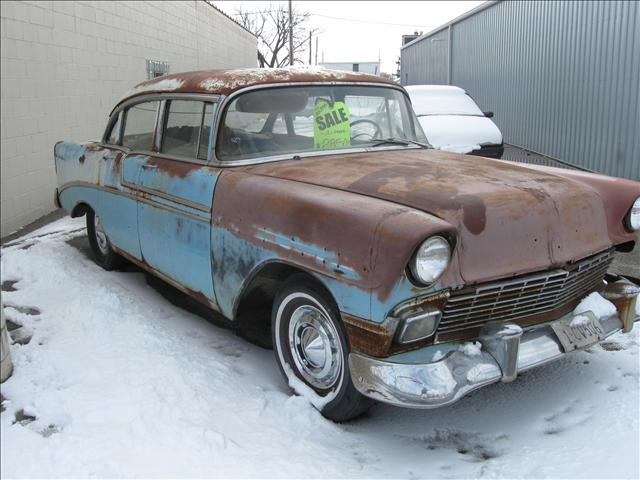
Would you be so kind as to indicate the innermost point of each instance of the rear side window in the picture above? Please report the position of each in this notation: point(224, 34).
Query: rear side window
point(138, 126)
point(187, 129)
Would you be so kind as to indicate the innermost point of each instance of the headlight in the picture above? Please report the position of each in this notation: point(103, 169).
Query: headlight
point(633, 217)
point(430, 260)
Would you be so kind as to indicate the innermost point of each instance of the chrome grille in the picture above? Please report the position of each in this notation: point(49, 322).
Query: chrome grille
point(524, 296)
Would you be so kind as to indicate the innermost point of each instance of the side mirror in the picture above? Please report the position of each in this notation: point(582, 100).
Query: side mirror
point(488, 114)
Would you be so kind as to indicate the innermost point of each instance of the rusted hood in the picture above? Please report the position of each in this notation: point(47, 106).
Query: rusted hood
point(510, 218)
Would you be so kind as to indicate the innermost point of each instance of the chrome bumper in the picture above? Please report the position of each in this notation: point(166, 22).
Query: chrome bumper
point(506, 351)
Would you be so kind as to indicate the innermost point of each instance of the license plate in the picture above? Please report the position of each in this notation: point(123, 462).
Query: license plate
point(579, 336)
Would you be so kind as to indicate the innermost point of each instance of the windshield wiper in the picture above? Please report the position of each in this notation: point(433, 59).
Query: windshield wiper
point(400, 141)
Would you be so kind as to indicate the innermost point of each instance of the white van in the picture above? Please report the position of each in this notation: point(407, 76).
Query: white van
point(452, 121)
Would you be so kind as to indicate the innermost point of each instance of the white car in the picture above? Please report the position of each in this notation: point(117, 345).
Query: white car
point(452, 121)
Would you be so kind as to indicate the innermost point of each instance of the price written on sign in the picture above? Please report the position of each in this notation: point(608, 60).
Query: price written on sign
point(331, 128)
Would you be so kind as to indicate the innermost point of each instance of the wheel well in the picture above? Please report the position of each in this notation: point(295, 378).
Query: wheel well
point(79, 210)
point(253, 312)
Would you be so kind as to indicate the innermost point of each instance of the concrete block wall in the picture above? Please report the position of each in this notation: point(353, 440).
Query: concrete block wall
point(66, 63)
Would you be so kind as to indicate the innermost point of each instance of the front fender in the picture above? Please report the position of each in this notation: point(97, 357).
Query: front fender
point(617, 194)
point(357, 246)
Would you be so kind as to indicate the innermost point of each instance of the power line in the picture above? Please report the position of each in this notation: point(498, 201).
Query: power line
point(344, 19)
point(373, 22)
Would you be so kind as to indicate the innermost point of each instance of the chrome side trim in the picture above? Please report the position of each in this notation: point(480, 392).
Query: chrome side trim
point(440, 383)
point(177, 211)
point(181, 201)
point(301, 155)
point(149, 97)
point(178, 158)
point(139, 198)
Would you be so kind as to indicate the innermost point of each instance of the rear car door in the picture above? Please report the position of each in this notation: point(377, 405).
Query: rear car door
point(119, 207)
point(174, 188)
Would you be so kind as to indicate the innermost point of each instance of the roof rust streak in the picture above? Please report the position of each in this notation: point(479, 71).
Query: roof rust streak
point(224, 82)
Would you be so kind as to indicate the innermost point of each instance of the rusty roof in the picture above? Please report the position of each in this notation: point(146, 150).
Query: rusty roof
point(224, 82)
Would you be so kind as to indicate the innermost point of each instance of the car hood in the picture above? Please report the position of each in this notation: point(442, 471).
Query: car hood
point(510, 219)
point(460, 133)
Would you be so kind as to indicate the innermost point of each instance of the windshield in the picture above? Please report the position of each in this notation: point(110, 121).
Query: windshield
point(443, 102)
point(293, 120)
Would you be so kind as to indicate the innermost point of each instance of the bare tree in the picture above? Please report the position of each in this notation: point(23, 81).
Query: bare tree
point(271, 25)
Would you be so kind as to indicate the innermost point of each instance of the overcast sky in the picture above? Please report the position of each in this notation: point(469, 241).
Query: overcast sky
point(369, 29)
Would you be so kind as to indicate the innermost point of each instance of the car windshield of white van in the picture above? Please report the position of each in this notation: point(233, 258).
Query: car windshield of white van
point(444, 102)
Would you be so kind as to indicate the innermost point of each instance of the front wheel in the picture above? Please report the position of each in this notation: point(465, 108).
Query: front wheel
point(312, 349)
point(103, 254)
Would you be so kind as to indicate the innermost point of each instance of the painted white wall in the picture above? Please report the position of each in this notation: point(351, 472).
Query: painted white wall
point(66, 63)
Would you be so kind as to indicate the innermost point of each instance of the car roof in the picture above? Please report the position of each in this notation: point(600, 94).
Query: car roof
point(224, 82)
point(434, 88)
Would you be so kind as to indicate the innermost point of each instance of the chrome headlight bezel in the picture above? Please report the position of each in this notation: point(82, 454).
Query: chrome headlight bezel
point(430, 260)
point(632, 218)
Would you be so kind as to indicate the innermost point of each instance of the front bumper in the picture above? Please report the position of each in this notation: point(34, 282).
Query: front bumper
point(422, 384)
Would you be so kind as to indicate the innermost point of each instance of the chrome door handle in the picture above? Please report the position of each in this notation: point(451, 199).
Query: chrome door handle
point(147, 166)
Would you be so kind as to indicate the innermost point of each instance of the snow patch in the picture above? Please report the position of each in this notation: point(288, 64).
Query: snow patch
point(471, 349)
point(306, 392)
point(125, 384)
point(597, 304)
point(579, 320)
point(166, 85)
point(437, 356)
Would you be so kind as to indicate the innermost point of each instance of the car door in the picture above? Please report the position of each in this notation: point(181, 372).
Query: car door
point(174, 190)
point(132, 130)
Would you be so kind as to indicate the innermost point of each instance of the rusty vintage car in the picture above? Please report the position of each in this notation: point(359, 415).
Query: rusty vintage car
point(308, 203)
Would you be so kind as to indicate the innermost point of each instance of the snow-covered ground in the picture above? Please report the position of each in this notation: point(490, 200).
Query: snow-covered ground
point(111, 380)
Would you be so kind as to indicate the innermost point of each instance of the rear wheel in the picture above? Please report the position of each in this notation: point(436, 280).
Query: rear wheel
point(103, 254)
point(312, 349)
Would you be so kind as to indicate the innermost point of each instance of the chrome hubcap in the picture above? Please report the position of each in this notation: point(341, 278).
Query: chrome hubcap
point(315, 347)
point(101, 237)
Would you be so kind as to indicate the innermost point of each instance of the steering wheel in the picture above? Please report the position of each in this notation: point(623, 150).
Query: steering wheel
point(376, 134)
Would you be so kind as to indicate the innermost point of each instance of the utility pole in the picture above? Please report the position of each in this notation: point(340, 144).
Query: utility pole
point(310, 48)
point(290, 35)
point(316, 49)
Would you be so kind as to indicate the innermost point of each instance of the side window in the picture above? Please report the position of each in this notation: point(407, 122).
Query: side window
point(113, 137)
point(187, 129)
point(138, 126)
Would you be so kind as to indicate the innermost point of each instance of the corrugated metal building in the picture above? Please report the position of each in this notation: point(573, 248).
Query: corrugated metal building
point(563, 77)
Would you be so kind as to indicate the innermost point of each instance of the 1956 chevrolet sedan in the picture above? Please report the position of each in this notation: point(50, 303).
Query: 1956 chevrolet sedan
point(385, 269)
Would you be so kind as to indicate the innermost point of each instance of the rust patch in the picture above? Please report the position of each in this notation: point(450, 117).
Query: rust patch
point(368, 241)
point(367, 337)
point(224, 82)
point(92, 147)
point(510, 218)
point(409, 182)
point(198, 296)
point(174, 168)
